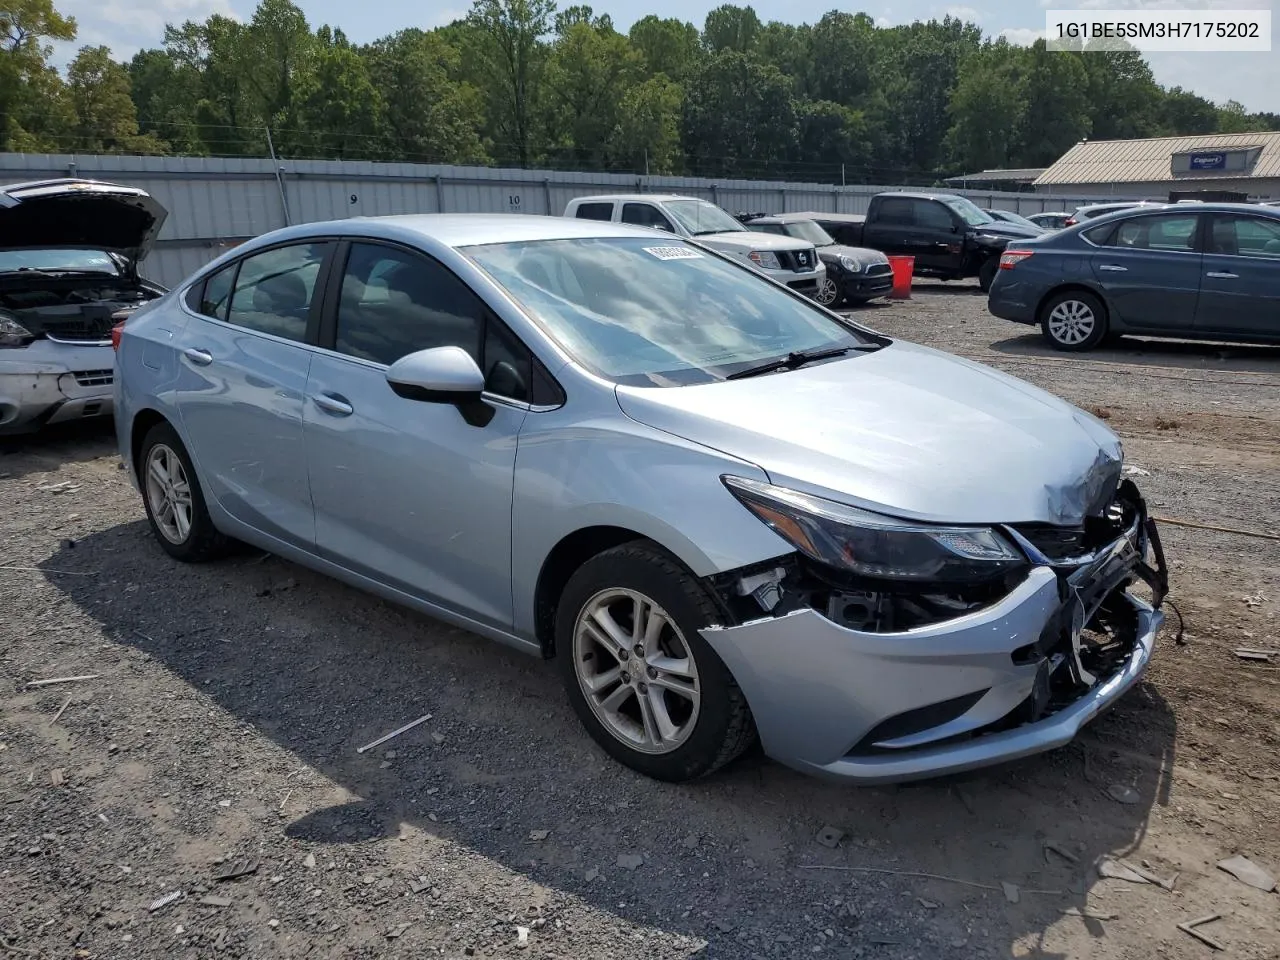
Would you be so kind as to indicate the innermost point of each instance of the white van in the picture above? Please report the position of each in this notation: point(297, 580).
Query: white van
point(787, 260)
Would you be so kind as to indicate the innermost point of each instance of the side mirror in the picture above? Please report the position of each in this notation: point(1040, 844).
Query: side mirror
point(442, 375)
point(438, 375)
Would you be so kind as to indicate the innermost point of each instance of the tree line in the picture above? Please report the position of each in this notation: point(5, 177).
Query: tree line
point(523, 83)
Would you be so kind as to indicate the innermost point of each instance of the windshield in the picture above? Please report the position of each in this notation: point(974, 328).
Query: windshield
point(809, 231)
point(662, 313)
point(969, 211)
point(78, 261)
point(698, 217)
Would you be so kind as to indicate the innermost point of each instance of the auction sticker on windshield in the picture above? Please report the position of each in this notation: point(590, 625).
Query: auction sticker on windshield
point(673, 253)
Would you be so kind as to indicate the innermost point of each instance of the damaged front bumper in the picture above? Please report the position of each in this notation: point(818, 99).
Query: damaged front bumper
point(50, 381)
point(1015, 678)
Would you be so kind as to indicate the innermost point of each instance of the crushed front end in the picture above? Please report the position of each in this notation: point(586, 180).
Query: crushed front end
point(878, 679)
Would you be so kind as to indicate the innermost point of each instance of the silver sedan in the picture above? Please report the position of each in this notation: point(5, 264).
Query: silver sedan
point(725, 512)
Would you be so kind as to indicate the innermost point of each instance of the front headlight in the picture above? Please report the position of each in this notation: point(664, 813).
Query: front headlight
point(12, 333)
point(850, 264)
point(764, 260)
point(873, 545)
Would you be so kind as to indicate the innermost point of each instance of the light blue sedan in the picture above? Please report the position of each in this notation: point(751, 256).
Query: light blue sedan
point(723, 510)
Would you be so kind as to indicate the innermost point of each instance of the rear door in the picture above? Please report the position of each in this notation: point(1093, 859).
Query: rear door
point(245, 356)
point(1149, 268)
point(1240, 288)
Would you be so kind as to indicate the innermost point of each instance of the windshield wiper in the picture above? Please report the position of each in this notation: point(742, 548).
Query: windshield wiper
point(791, 361)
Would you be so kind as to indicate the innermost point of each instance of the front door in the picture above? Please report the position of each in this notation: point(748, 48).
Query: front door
point(1240, 286)
point(1149, 268)
point(406, 492)
point(245, 360)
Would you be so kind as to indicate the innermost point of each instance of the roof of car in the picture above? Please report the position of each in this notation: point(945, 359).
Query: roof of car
point(610, 197)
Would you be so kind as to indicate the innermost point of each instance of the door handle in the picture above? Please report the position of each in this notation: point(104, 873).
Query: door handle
point(1222, 275)
point(201, 358)
point(1113, 268)
point(332, 404)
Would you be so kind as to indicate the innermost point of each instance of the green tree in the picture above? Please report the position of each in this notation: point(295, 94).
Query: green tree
point(277, 55)
point(339, 108)
point(1234, 118)
point(1057, 90)
point(166, 95)
point(428, 115)
point(590, 69)
point(32, 106)
point(505, 41)
point(739, 116)
point(648, 134)
point(730, 28)
point(1182, 112)
point(988, 108)
point(105, 118)
point(842, 57)
point(1123, 95)
point(668, 46)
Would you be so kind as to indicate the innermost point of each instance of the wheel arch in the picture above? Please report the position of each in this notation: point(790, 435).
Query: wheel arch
point(143, 422)
point(566, 557)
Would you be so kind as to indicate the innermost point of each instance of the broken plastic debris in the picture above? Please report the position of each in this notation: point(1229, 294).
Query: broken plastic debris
point(1190, 928)
point(1115, 870)
point(1132, 470)
point(522, 934)
point(1010, 891)
point(1246, 871)
point(394, 733)
point(309, 861)
point(164, 901)
point(1088, 914)
point(237, 869)
point(537, 836)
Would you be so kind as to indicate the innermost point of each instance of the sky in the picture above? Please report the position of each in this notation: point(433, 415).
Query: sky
point(1250, 78)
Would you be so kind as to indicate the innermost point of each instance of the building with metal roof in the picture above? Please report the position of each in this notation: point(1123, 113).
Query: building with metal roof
point(1223, 166)
point(996, 179)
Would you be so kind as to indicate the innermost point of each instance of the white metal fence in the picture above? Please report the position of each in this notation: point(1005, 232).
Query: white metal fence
point(215, 203)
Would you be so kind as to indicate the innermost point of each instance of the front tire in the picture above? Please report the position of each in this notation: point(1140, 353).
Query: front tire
point(650, 691)
point(1074, 321)
point(174, 501)
point(829, 294)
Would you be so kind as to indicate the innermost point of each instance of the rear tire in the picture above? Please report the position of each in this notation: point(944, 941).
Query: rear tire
point(173, 499)
point(987, 273)
point(657, 699)
point(1074, 321)
point(829, 293)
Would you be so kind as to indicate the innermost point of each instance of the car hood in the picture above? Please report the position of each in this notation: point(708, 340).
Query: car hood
point(905, 430)
point(752, 240)
point(862, 254)
point(87, 214)
point(1003, 228)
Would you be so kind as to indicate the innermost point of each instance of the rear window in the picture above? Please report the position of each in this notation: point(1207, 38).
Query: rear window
point(594, 211)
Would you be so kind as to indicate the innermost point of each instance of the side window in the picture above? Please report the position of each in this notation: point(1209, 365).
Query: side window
point(645, 215)
point(594, 211)
point(273, 290)
point(394, 302)
point(217, 293)
point(1173, 233)
point(1102, 235)
point(896, 210)
point(931, 215)
point(1245, 237)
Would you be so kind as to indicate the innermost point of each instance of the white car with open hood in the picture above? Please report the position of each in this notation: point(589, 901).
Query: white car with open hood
point(69, 254)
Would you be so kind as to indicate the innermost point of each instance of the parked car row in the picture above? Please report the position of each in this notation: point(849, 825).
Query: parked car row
point(1202, 271)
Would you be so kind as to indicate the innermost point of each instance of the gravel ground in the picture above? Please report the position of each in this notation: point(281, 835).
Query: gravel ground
point(221, 730)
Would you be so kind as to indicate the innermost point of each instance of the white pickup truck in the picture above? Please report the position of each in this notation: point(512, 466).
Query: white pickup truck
point(789, 261)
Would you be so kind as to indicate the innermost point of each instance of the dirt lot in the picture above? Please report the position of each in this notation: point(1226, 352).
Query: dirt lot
point(223, 724)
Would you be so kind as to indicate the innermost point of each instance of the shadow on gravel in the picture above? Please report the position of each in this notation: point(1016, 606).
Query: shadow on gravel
point(1131, 351)
point(321, 669)
point(64, 443)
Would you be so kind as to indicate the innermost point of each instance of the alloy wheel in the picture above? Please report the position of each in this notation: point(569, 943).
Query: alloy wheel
point(828, 292)
point(636, 671)
point(1072, 322)
point(169, 494)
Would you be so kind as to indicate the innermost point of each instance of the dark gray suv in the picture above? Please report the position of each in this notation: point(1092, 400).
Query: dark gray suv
point(1209, 271)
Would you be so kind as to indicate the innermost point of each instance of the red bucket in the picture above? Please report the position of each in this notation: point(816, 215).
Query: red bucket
point(903, 268)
